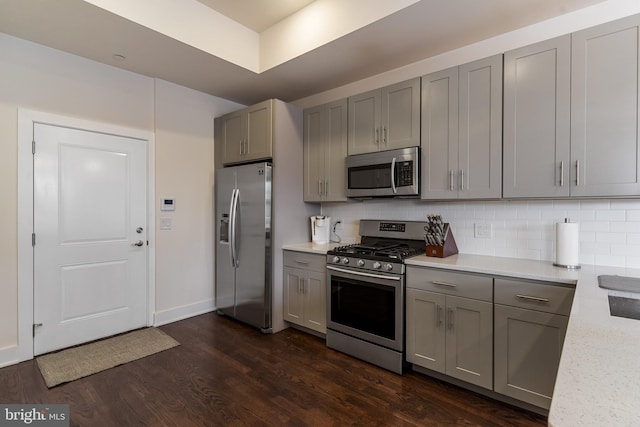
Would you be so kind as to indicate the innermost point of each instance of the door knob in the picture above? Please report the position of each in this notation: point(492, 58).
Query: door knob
point(138, 243)
point(139, 230)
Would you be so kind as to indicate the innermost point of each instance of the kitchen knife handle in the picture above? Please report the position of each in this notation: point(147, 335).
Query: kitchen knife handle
point(562, 173)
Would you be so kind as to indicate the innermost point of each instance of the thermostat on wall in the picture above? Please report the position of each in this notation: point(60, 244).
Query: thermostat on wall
point(167, 205)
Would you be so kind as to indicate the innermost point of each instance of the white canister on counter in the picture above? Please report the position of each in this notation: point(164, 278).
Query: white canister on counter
point(567, 244)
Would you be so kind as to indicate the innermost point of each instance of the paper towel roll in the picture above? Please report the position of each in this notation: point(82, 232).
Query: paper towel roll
point(567, 244)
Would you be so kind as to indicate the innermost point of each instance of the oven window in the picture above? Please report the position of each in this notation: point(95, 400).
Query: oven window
point(368, 307)
point(368, 177)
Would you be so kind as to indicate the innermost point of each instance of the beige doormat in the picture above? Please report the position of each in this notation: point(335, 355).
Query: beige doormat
point(77, 362)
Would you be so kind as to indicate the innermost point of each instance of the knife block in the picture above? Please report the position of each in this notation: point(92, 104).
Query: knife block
point(447, 249)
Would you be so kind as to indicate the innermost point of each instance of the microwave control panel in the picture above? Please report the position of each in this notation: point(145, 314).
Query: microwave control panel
point(405, 173)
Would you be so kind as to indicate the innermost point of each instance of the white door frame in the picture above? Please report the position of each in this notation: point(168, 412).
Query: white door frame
point(26, 120)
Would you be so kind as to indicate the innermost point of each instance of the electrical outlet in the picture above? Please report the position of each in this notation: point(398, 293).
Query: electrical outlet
point(482, 230)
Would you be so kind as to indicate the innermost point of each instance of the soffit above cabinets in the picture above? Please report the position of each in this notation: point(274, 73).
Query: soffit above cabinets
point(323, 45)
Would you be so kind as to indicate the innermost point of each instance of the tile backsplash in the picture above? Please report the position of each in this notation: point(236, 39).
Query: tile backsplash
point(609, 228)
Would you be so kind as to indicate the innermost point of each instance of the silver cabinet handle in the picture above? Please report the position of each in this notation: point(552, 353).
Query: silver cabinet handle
point(377, 136)
point(562, 173)
point(302, 261)
point(451, 187)
point(461, 179)
point(439, 283)
point(320, 187)
point(530, 298)
point(384, 135)
point(326, 188)
point(577, 173)
point(450, 316)
point(138, 243)
point(438, 314)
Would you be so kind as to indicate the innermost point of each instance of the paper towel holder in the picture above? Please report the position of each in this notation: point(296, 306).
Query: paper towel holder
point(562, 265)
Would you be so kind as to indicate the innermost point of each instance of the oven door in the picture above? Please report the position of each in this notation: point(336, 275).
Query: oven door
point(369, 306)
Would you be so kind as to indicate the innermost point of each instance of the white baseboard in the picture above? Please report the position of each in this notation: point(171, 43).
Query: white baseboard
point(183, 312)
point(13, 355)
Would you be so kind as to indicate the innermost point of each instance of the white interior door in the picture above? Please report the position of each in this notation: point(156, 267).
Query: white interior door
point(90, 225)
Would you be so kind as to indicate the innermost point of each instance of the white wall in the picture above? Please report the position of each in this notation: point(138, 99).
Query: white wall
point(44, 79)
point(610, 229)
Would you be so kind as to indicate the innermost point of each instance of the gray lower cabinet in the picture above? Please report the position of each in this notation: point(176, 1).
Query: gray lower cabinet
point(461, 140)
point(605, 150)
point(305, 295)
point(325, 149)
point(537, 110)
point(530, 324)
point(385, 118)
point(446, 330)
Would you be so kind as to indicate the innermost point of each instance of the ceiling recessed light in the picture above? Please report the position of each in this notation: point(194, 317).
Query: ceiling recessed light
point(118, 57)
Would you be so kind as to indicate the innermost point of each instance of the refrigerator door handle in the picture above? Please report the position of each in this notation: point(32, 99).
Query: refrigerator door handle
point(232, 228)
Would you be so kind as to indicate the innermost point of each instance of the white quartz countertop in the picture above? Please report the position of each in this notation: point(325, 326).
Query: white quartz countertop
point(598, 382)
point(310, 247)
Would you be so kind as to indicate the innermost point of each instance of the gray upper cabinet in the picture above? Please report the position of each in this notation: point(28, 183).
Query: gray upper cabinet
point(462, 131)
point(247, 134)
point(325, 149)
point(537, 112)
point(385, 119)
point(605, 154)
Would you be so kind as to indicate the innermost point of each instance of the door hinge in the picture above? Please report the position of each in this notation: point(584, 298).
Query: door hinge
point(36, 325)
point(33, 239)
point(33, 147)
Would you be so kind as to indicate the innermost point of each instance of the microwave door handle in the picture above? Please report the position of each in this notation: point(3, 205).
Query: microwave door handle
point(393, 176)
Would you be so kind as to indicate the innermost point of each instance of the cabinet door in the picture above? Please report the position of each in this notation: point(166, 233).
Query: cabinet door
point(335, 152)
point(527, 352)
point(315, 302)
point(364, 119)
point(425, 329)
point(480, 129)
point(293, 302)
point(232, 137)
point(537, 119)
point(400, 121)
point(469, 343)
point(258, 131)
point(605, 154)
point(439, 141)
point(314, 153)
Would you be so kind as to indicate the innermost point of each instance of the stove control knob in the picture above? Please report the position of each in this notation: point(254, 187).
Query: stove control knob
point(360, 263)
point(388, 267)
point(345, 260)
point(376, 265)
point(335, 259)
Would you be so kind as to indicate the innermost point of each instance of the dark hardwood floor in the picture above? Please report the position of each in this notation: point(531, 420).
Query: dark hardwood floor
point(227, 374)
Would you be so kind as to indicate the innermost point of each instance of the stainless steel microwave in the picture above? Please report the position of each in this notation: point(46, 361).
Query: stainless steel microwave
point(391, 173)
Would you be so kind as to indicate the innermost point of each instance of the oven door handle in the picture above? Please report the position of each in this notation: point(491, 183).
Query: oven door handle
point(361, 273)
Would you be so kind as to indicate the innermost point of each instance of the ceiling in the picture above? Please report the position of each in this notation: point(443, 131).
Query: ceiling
point(420, 30)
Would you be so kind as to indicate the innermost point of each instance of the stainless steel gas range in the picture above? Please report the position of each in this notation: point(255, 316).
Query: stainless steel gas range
point(366, 291)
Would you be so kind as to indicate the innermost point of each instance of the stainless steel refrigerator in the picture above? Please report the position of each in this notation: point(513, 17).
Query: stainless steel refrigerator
point(243, 244)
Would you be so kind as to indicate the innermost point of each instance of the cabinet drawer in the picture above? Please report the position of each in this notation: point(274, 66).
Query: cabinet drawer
point(534, 296)
point(449, 283)
point(305, 261)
